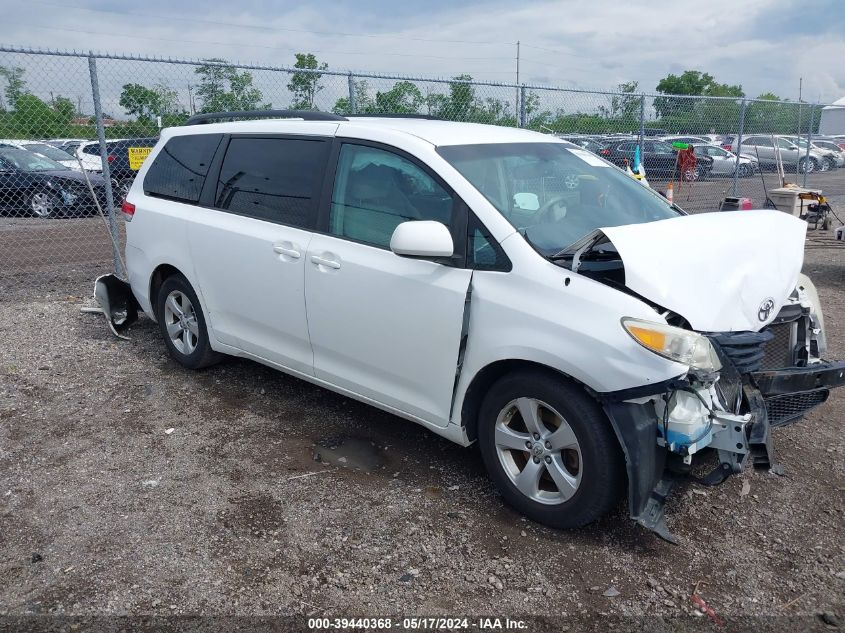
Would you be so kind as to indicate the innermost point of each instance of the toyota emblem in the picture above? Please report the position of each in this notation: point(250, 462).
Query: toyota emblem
point(765, 309)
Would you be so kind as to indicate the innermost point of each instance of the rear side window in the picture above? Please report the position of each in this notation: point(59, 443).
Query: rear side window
point(178, 172)
point(275, 179)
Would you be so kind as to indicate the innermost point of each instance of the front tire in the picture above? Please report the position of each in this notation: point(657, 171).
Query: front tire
point(806, 166)
point(182, 324)
point(550, 450)
point(43, 204)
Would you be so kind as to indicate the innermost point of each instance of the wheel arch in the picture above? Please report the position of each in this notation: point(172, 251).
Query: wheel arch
point(489, 374)
point(161, 272)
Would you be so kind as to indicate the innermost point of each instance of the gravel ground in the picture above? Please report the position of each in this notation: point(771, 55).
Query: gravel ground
point(131, 487)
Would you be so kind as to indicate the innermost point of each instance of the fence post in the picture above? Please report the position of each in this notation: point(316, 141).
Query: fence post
point(104, 158)
point(738, 147)
point(642, 119)
point(809, 141)
point(522, 105)
point(353, 107)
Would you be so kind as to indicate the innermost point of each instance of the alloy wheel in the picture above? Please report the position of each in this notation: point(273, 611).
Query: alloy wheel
point(538, 451)
point(42, 204)
point(181, 321)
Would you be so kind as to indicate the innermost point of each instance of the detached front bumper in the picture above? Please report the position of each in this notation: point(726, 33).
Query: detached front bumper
point(764, 399)
point(790, 393)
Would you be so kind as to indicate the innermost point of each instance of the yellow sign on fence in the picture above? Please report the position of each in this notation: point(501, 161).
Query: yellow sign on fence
point(137, 156)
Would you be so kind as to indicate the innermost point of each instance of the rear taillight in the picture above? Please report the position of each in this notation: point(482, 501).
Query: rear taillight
point(111, 158)
point(604, 152)
point(128, 210)
point(728, 147)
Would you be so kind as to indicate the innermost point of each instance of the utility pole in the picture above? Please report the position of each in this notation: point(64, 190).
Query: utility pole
point(516, 103)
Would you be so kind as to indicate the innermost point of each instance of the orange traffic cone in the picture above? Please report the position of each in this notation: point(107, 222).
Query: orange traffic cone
point(670, 192)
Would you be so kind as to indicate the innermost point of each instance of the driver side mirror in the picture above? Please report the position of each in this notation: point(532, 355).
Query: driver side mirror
point(422, 238)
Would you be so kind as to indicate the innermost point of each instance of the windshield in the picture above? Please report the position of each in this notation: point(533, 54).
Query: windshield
point(49, 151)
point(29, 161)
point(553, 193)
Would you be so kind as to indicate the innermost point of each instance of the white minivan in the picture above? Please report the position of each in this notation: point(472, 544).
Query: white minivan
point(493, 284)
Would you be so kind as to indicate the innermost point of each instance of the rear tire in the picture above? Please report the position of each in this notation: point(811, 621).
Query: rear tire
point(563, 467)
point(182, 324)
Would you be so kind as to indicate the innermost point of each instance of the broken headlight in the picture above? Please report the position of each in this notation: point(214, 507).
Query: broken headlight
point(674, 343)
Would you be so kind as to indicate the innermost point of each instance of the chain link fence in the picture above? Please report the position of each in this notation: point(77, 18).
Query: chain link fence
point(75, 127)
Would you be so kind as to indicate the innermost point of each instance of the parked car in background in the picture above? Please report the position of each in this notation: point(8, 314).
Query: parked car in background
point(125, 159)
point(44, 149)
point(88, 153)
point(762, 147)
point(589, 143)
point(833, 147)
point(658, 157)
point(724, 162)
point(686, 139)
point(831, 156)
point(34, 185)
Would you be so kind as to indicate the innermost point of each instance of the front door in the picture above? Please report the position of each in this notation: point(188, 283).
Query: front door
point(383, 326)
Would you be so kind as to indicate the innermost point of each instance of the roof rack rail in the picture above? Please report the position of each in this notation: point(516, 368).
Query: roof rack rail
point(305, 115)
point(388, 115)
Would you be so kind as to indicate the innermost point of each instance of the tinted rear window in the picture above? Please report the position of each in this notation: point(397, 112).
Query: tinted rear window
point(179, 170)
point(275, 179)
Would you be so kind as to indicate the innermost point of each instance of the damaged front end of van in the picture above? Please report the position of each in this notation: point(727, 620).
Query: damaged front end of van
point(746, 323)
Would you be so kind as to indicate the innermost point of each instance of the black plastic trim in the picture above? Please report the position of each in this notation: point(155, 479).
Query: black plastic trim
point(643, 391)
point(797, 379)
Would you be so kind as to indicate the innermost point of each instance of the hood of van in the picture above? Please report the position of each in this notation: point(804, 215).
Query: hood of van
point(728, 271)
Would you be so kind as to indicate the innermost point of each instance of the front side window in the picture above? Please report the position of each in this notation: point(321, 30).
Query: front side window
point(275, 179)
point(554, 194)
point(376, 190)
point(179, 170)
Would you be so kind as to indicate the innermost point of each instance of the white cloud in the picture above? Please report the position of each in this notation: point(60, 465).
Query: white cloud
point(588, 45)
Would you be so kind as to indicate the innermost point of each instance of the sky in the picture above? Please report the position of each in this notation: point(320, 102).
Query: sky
point(764, 45)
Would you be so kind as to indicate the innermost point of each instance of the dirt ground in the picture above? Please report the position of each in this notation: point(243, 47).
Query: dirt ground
point(132, 487)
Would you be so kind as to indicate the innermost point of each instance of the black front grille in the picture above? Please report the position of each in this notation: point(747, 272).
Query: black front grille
point(790, 407)
point(779, 350)
point(744, 349)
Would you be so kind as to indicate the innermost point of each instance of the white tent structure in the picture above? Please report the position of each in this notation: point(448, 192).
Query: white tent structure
point(833, 118)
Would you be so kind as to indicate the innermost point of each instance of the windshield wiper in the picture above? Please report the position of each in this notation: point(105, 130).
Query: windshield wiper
point(569, 252)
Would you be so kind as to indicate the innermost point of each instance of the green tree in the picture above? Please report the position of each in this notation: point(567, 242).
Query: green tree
point(15, 84)
point(33, 118)
point(691, 83)
point(141, 101)
point(625, 103)
point(168, 100)
point(65, 110)
point(222, 88)
point(304, 86)
point(403, 98)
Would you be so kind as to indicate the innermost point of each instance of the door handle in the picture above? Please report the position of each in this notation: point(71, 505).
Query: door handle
point(290, 251)
point(322, 261)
